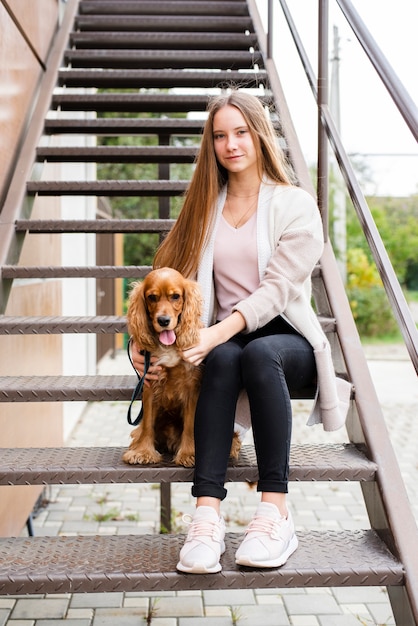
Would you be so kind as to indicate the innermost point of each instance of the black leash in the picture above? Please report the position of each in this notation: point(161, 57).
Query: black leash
point(137, 394)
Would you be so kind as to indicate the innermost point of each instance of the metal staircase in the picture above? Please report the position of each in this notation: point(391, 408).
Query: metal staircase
point(129, 57)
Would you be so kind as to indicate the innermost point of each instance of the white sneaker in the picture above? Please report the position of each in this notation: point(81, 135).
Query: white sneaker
point(204, 544)
point(269, 539)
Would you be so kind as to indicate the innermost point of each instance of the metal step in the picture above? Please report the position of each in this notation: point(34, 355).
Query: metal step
point(105, 271)
point(66, 388)
point(156, 188)
point(161, 79)
point(12, 272)
point(94, 226)
point(39, 565)
point(134, 102)
point(87, 388)
point(171, 23)
point(57, 325)
point(124, 126)
point(165, 7)
point(158, 59)
point(104, 465)
point(164, 40)
point(118, 154)
point(42, 325)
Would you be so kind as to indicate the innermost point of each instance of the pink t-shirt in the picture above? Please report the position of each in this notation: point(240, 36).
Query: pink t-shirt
point(235, 264)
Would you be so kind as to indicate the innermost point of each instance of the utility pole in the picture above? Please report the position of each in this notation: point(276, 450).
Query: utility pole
point(339, 204)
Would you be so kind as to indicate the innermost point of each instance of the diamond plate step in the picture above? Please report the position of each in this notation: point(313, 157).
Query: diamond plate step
point(185, 7)
point(118, 154)
point(75, 388)
point(222, 59)
point(22, 325)
point(88, 388)
point(66, 388)
point(57, 325)
point(147, 23)
point(108, 188)
point(164, 40)
point(94, 226)
point(134, 103)
point(52, 466)
point(160, 79)
point(39, 565)
point(83, 271)
point(124, 126)
point(97, 271)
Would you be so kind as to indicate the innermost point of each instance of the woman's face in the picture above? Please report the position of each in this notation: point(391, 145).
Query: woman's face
point(233, 144)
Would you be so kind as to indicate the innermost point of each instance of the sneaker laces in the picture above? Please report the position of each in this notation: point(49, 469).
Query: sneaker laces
point(263, 525)
point(200, 528)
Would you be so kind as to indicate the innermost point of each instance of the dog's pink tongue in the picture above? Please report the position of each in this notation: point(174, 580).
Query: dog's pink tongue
point(167, 337)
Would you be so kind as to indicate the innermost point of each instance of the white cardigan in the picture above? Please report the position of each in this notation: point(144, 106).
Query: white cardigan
point(289, 244)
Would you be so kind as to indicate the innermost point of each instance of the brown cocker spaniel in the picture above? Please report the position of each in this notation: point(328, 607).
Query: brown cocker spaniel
point(164, 318)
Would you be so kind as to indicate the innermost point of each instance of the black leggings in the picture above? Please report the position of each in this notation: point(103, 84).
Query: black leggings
point(267, 363)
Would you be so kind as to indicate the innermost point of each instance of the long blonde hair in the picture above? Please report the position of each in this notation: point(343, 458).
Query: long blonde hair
point(182, 248)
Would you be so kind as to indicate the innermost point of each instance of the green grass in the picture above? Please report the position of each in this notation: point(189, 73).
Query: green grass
point(412, 296)
point(383, 340)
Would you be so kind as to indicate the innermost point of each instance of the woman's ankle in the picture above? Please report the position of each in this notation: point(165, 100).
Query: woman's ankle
point(214, 503)
point(278, 499)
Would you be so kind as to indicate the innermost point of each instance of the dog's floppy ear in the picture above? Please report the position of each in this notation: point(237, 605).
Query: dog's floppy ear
point(139, 325)
point(190, 322)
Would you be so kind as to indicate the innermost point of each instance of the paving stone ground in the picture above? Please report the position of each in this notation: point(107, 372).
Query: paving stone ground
point(121, 509)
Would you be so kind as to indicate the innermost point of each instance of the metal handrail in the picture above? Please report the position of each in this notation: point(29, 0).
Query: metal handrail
point(387, 502)
point(328, 131)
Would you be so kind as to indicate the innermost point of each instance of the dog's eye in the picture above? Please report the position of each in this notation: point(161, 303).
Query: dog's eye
point(152, 297)
point(175, 296)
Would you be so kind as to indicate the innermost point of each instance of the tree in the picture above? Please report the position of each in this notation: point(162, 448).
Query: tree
point(139, 248)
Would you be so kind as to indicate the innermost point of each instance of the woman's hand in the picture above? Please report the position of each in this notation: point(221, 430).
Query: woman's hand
point(138, 361)
point(207, 342)
point(214, 336)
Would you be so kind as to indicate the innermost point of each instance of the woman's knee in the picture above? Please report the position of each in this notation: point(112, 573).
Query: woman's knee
point(259, 365)
point(259, 353)
point(222, 369)
point(225, 355)
point(289, 355)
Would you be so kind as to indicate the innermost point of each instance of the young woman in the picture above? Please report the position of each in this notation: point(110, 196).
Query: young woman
point(251, 239)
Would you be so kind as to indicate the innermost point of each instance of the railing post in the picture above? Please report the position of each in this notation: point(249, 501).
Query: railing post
point(270, 30)
point(165, 508)
point(323, 178)
point(164, 174)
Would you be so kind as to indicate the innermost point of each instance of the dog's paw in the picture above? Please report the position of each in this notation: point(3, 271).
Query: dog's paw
point(141, 457)
point(184, 458)
point(235, 447)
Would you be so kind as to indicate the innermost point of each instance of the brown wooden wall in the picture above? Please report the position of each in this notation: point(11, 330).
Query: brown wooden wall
point(26, 29)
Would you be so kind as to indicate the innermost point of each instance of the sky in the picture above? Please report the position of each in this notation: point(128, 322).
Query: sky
point(371, 126)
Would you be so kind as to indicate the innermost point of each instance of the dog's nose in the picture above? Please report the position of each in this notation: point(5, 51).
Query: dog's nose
point(163, 320)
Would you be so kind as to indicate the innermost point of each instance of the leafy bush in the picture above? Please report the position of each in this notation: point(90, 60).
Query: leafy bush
point(397, 222)
point(368, 301)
